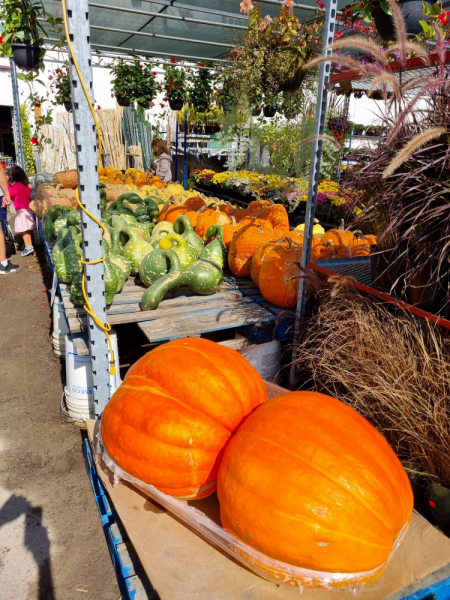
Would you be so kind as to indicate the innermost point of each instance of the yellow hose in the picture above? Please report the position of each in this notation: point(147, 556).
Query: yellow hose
point(87, 307)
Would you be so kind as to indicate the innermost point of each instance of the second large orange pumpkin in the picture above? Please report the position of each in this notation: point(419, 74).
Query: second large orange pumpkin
point(169, 421)
point(307, 481)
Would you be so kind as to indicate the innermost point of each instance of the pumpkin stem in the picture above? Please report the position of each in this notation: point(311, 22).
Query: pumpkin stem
point(341, 227)
point(233, 220)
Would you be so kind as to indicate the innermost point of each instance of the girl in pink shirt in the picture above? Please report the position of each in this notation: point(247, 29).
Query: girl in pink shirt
point(20, 193)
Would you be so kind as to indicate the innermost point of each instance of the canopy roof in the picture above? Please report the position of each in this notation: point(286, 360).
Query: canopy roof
point(196, 30)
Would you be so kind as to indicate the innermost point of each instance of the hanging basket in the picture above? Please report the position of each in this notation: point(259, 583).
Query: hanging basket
point(68, 105)
point(256, 111)
point(269, 112)
point(283, 70)
point(122, 101)
point(412, 12)
point(26, 56)
point(176, 104)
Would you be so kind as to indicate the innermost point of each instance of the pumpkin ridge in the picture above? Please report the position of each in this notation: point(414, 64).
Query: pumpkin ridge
point(227, 380)
point(177, 400)
point(315, 467)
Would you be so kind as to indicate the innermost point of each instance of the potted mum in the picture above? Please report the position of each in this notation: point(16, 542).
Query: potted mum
point(60, 87)
point(22, 34)
point(175, 85)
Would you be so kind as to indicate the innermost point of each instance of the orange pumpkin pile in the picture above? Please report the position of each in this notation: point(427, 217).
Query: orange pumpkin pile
point(130, 177)
point(309, 482)
point(168, 427)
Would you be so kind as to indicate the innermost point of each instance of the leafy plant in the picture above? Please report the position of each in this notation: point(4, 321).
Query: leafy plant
point(175, 82)
point(26, 137)
point(135, 81)
point(122, 72)
point(60, 85)
point(202, 86)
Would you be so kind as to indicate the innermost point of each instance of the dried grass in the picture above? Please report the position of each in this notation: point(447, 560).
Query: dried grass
point(391, 367)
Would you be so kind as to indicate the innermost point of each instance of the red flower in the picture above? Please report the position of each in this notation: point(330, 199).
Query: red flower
point(338, 35)
point(98, 107)
point(141, 67)
point(173, 59)
point(154, 73)
point(229, 83)
point(153, 104)
point(169, 87)
point(201, 65)
point(34, 141)
point(162, 105)
point(165, 99)
point(1, 40)
point(171, 80)
point(165, 78)
point(443, 17)
point(37, 105)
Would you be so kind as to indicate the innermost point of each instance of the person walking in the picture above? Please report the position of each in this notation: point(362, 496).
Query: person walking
point(6, 268)
point(20, 192)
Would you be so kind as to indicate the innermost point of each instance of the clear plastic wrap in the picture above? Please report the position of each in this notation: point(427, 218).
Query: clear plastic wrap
point(264, 566)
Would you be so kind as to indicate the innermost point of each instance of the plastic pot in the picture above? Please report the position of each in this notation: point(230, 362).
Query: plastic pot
point(68, 105)
point(25, 56)
point(176, 104)
point(256, 111)
point(412, 12)
point(269, 112)
point(418, 481)
point(438, 498)
point(386, 270)
point(122, 101)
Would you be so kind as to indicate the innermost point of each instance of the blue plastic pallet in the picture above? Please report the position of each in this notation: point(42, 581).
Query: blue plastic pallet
point(133, 581)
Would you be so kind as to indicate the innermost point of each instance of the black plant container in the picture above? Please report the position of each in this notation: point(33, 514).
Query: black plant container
point(422, 290)
point(386, 270)
point(68, 106)
point(176, 104)
point(256, 111)
point(269, 112)
point(26, 56)
point(412, 12)
point(122, 101)
point(438, 498)
point(144, 105)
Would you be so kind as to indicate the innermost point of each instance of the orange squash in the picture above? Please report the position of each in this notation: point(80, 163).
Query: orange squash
point(67, 179)
point(239, 213)
point(278, 279)
point(339, 236)
point(171, 212)
point(245, 243)
point(307, 481)
point(208, 217)
point(193, 217)
point(195, 203)
point(278, 217)
point(256, 205)
point(178, 406)
point(259, 256)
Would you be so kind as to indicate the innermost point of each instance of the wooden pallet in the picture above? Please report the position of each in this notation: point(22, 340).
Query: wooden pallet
point(183, 314)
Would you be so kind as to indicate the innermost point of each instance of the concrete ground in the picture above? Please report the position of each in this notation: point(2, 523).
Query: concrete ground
point(52, 545)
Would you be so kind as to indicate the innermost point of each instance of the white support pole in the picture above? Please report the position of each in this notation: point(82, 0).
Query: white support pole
point(316, 157)
point(88, 187)
point(17, 119)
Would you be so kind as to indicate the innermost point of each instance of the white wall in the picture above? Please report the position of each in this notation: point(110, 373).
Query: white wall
point(366, 111)
point(6, 97)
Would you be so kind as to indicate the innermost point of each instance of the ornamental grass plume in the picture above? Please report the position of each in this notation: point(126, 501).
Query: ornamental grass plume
point(390, 366)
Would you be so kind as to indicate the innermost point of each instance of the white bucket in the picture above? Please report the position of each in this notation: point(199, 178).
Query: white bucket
point(77, 408)
point(78, 370)
point(265, 358)
point(60, 325)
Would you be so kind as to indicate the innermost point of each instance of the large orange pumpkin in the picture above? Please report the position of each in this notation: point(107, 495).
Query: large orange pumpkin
point(259, 256)
point(256, 205)
point(195, 203)
point(278, 277)
point(171, 212)
point(278, 217)
point(244, 244)
point(307, 481)
point(208, 217)
point(229, 231)
point(169, 421)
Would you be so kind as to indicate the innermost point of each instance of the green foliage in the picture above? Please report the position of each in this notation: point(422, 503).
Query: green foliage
point(175, 82)
point(134, 81)
point(60, 85)
point(26, 137)
point(202, 87)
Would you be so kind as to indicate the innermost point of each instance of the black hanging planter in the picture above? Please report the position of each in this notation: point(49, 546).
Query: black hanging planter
point(122, 101)
point(412, 12)
point(68, 106)
point(269, 112)
point(144, 105)
point(176, 104)
point(26, 56)
point(256, 111)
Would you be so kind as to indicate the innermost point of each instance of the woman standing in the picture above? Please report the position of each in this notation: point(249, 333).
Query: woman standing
point(162, 165)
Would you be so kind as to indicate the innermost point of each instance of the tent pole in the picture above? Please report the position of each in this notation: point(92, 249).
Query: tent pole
point(88, 187)
point(185, 146)
point(17, 118)
point(316, 156)
point(176, 151)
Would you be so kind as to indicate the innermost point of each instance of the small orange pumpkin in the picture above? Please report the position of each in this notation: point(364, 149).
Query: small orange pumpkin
point(338, 236)
point(309, 482)
point(195, 203)
point(67, 179)
point(257, 205)
point(171, 212)
point(278, 279)
point(177, 408)
point(208, 217)
point(245, 243)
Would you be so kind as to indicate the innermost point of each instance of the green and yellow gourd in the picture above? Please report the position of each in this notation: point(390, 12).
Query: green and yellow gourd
point(148, 211)
point(161, 230)
point(183, 227)
point(50, 217)
point(202, 277)
point(73, 218)
point(122, 263)
point(60, 223)
point(64, 230)
point(103, 199)
point(119, 208)
point(67, 262)
point(153, 266)
point(216, 251)
point(135, 248)
point(76, 289)
point(185, 253)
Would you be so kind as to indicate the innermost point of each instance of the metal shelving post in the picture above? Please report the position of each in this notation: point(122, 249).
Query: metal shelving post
point(17, 118)
point(88, 187)
point(316, 157)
